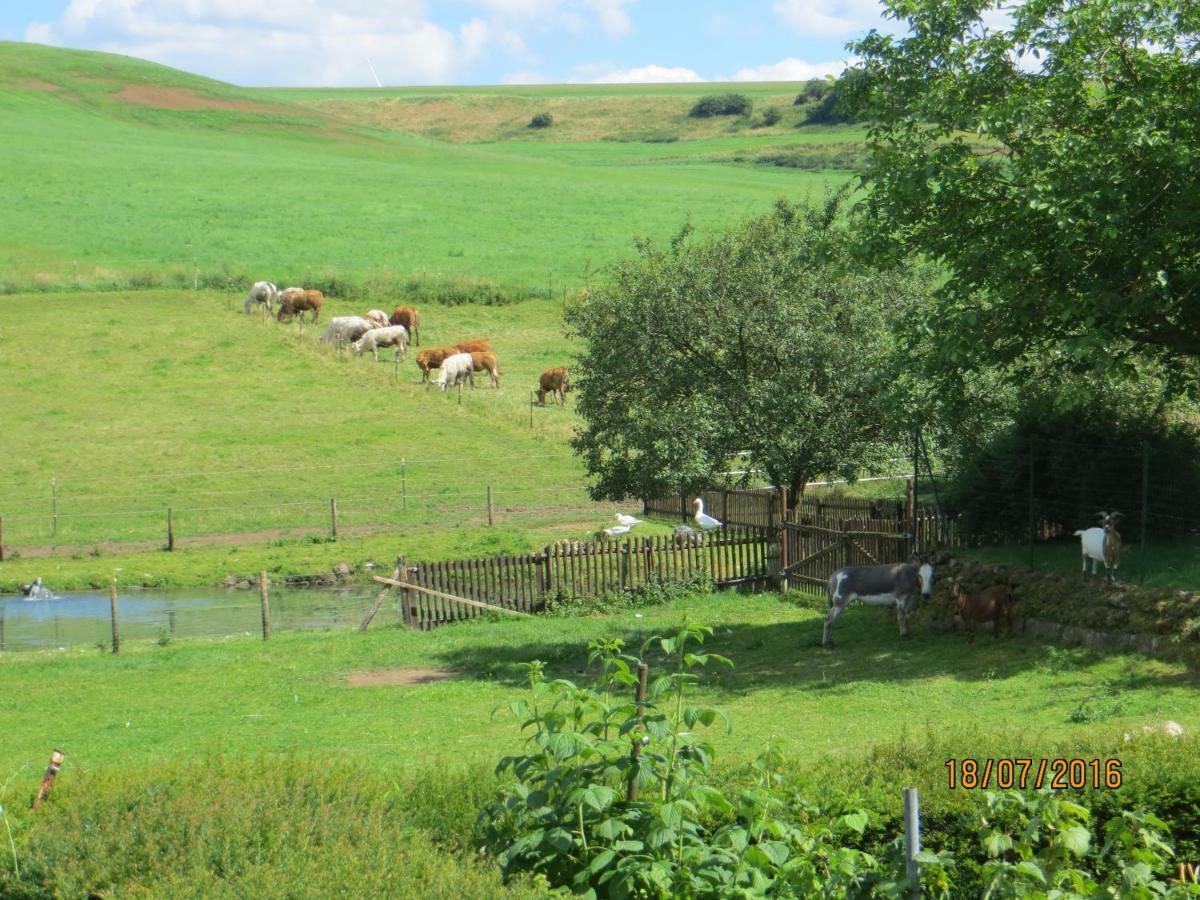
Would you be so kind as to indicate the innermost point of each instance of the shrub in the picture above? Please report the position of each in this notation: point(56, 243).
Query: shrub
point(541, 120)
point(828, 111)
point(771, 116)
point(814, 90)
point(721, 105)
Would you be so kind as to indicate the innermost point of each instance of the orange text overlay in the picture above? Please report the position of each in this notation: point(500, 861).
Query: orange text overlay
point(1026, 772)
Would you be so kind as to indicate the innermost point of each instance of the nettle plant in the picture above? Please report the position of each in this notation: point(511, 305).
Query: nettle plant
point(615, 798)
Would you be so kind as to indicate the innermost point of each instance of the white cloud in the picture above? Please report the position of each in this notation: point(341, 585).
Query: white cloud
point(284, 41)
point(599, 73)
point(830, 18)
point(791, 69)
point(612, 16)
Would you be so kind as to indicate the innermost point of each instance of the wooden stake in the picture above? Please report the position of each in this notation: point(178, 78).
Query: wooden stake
point(489, 504)
point(52, 770)
point(636, 750)
point(333, 516)
point(170, 531)
point(266, 606)
point(783, 539)
point(112, 604)
point(397, 573)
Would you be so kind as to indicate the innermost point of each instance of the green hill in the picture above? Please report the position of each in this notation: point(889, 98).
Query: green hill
point(130, 174)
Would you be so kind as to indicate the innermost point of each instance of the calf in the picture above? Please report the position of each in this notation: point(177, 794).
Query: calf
point(294, 302)
point(487, 362)
point(456, 369)
point(478, 345)
point(392, 336)
point(556, 381)
point(989, 605)
point(432, 359)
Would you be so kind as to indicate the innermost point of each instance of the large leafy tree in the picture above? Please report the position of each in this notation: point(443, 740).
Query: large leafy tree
point(768, 339)
point(1051, 163)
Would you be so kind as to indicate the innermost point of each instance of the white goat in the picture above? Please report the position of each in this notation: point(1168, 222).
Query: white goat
point(392, 336)
point(455, 370)
point(1101, 544)
point(261, 292)
point(346, 329)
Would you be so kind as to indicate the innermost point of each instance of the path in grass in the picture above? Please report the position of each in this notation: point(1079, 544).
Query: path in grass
point(242, 696)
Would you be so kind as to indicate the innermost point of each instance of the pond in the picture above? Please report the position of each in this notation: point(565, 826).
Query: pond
point(83, 619)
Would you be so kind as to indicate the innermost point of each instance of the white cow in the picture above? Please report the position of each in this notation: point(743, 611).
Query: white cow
point(261, 292)
point(392, 336)
point(455, 370)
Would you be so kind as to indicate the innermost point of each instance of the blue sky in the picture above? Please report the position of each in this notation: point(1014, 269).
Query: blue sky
point(328, 42)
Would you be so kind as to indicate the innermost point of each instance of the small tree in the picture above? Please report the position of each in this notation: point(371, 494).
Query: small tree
point(814, 90)
point(541, 120)
point(767, 339)
point(771, 116)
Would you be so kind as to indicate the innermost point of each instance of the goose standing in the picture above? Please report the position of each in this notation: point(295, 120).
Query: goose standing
point(708, 523)
point(623, 519)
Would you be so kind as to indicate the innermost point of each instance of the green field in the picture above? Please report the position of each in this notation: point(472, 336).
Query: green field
point(132, 174)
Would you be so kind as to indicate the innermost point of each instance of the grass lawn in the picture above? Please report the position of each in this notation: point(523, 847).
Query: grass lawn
point(240, 697)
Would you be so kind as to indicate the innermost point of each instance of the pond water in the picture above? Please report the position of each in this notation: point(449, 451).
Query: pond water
point(83, 619)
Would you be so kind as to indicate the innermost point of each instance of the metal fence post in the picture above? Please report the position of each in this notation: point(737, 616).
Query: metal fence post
point(912, 839)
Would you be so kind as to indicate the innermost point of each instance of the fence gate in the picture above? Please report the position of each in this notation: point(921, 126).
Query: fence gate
point(817, 551)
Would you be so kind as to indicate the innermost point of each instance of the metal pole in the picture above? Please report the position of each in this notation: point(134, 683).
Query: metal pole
point(1031, 521)
point(1145, 509)
point(912, 839)
point(54, 506)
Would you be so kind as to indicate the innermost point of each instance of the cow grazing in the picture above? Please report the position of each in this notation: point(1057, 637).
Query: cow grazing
point(392, 336)
point(346, 329)
point(410, 319)
point(477, 345)
point(555, 381)
point(262, 293)
point(897, 584)
point(377, 317)
point(992, 604)
point(487, 362)
point(432, 358)
point(297, 302)
point(455, 370)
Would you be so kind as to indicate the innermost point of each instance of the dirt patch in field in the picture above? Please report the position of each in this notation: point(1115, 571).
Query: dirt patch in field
point(34, 84)
point(398, 677)
point(186, 98)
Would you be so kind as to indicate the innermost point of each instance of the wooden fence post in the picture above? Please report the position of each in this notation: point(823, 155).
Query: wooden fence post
point(783, 540)
point(1, 629)
point(1, 538)
point(403, 484)
point(170, 531)
point(636, 750)
point(266, 606)
point(489, 505)
point(112, 606)
point(333, 517)
point(912, 839)
point(54, 506)
point(52, 770)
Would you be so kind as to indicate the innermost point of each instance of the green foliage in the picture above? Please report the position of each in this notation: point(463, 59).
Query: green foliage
point(655, 591)
point(772, 116)
point(565, 814)
point(830, 110)
point(541, 120)
point(815, 89)
point(721, 105)
point(1050, 162)
point(769, 339)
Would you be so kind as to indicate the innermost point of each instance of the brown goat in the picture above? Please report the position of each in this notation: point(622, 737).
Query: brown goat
point(410, 319)
point(478, 345)
point(433, 359)
point(486, 361)
point(556, 381)
point(989, 605)
point(294, 303)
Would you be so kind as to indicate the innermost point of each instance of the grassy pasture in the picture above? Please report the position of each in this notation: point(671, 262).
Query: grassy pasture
point(132, 174)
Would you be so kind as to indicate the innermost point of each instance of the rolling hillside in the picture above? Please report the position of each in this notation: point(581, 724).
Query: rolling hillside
point(130, 174)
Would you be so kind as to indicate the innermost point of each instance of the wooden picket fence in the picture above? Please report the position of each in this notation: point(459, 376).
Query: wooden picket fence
point(578, 570)
point(752, 508)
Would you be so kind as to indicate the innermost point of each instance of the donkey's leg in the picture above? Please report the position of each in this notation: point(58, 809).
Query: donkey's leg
point(902, 617)
point(834, 611)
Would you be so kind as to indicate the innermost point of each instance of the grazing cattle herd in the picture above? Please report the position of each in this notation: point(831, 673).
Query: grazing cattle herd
point(375, 329)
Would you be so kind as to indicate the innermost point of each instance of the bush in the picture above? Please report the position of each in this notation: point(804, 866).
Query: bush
point(541, 120)
point(814, 90)
point(828, 111)
point(771, 116)
point(721, 105)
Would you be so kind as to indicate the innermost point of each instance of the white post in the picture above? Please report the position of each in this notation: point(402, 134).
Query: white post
point(912, 839)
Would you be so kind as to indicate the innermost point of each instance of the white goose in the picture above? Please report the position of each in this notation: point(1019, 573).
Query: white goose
point(617, 530)
point(623, 519)
point(708, 523)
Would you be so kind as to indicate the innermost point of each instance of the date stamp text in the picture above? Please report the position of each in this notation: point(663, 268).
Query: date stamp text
point(971, 774)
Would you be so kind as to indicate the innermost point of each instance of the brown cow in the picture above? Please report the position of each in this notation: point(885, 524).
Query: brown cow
point(294, 303)
point(486, 361)
point(477, 345)
point(433, 359)
point(410, 319)
point(990, 605)
point(556, 381)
